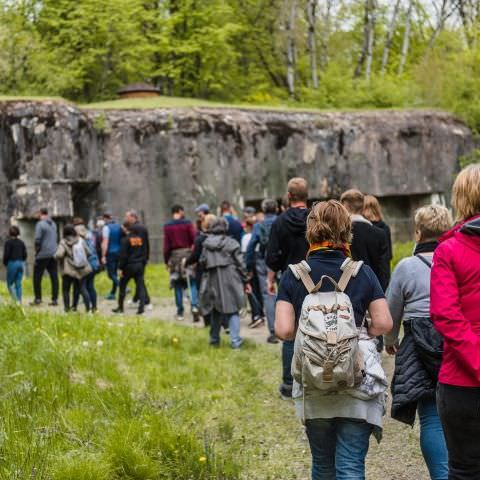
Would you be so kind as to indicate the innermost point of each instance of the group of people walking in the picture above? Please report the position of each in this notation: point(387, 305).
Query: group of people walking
point(79, 256)
point(338, 384)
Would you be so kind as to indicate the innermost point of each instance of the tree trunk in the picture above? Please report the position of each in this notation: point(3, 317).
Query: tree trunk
point(370, 39)
point(312, 40)
point(325, 35)
point(291, 11)
point(406, 39)
point(389, 39)
point(366, 35)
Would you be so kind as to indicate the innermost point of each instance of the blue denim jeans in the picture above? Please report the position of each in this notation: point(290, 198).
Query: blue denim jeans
point(112, 271)
point(15, 270)
point(339, 447)
point(179, 287)
point(432, 440)
point(216, 320)
point(268, 300)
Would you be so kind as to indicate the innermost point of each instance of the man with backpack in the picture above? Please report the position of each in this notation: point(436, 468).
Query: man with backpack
point(46, 241)
point(287, 244)
point(111, 240)
point(255, 261)
point(133, 258)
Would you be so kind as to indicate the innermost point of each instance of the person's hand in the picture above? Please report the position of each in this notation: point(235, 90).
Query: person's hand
point(392, 349)
point(248, 288)
point(104, 260)
point(271, 288)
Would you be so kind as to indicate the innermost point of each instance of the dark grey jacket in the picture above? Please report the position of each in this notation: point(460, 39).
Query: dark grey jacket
point(224, 276)
point(45, 239)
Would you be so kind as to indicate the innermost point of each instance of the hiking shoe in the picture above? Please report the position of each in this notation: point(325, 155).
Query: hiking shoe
point(110, 296)
point(149, 307)
point(140, 312)
point(180, 317)
point(53, 303)
point(35, 303)
point(117, 310)
point(195, 314)
point(257, 322)
point(285, 391)
point(272, 339)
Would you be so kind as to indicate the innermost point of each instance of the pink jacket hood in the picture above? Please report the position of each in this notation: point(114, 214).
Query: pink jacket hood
point(455, 302)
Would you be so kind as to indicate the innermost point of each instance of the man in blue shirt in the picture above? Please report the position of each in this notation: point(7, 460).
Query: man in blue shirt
point(255, 260)
point(111, 245)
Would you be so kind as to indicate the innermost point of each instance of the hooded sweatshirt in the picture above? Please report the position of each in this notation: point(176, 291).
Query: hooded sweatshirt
point(45, 239)
point(64, 255)
point(287, 243)
point(455, 303)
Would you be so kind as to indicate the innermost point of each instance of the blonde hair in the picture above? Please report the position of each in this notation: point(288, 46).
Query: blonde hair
point(353, 200)
point(466, 192)
point(329, 222)
point(431, 221)
point(207, 220)
point(371, 209)
point(297, 189)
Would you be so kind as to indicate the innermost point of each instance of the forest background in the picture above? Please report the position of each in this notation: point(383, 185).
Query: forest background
point(329, 54)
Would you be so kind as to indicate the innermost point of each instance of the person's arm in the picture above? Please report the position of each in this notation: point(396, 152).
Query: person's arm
point(252, 245)
point(124, 251)
point(194, 257)
point(6, 253)
point(396, 302)
point(24, 252)
point(381, 320)
point(166, 245)
point(447, 315)
point(105, 239)
point(274, 254)
point(38, 236)
point(383, 260)
point(61, 252)
point(284, 320)
point(238, 260)
point(147, 246)
point(192, 234)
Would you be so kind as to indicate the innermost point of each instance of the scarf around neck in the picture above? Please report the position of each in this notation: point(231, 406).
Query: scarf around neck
point(324, 246)
point(425, 247)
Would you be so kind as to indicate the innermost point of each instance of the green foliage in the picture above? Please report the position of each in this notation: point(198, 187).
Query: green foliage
point(472, 157)
point(400, 251)
point(91, 398)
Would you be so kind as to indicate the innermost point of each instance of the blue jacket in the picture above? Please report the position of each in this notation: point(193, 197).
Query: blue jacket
point(114, 237)
point(255, 240)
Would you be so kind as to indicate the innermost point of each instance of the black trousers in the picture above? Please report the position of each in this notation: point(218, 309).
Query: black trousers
point(67, 283)
point(459, 410)
point(42, 264)
point(136, 272)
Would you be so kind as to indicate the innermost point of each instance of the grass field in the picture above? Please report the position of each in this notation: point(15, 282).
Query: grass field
point(91, 398)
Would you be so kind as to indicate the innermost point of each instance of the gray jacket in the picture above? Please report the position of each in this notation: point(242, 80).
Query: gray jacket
point(45, 239)
point(224, 277)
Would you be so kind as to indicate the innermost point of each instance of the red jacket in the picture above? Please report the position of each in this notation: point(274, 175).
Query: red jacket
point(455, 303)
point(177, 234)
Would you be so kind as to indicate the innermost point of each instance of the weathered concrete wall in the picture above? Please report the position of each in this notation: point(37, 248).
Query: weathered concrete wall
point(150, 159)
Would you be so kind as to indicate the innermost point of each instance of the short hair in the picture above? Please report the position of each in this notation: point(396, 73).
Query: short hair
point(44, 211)
point(209, 218)
point(432, 221)
point(466, 192)
point(177, 209)
point(133, 213)
point(225, 206)
point(353, 200)
point(269, 206)
point(297, 189)
point(78, 221)
point(371, 209)
point(69, 230)
point(14, 231)
point(329, 222)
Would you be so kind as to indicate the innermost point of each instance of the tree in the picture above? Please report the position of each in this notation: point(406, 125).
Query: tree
point(390, 31)
point(406, 38)
point(311, 11)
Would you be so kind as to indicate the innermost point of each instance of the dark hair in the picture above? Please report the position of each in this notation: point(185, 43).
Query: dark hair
point(78, 221)
point(44, 211)
point(14, 231)
point(177, 209)
point(225, 206)
point(269, 206)
point(69, 230)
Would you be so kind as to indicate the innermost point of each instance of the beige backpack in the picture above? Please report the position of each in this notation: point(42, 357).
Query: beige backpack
point(327, 357)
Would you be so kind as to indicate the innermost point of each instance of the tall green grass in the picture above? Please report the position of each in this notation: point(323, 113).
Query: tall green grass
point(91, 398)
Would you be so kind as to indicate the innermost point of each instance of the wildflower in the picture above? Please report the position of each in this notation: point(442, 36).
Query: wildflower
point(202, 459)
point(100, 343)
point(85, 344)
point(174, 340)
point(64, 334)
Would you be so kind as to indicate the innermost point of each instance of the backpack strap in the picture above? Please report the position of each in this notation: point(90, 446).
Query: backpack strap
point(301, 271)
point(424, 260)
point(350, 269)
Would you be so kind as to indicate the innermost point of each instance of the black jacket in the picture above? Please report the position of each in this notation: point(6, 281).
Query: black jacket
point(287, 243)
point(143, 232)
point(369, 244)
point(133, 249)
point(388, 234)
point(14, 249)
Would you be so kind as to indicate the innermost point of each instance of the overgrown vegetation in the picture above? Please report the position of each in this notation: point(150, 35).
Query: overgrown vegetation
point(303, 53)
point(90, 398)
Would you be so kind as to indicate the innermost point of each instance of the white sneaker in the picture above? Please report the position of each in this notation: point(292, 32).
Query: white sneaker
point(180, 318)
point(131, 304)
point(149, 307)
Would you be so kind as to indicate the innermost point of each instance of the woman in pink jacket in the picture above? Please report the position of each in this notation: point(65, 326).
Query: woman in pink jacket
point(455, 311)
